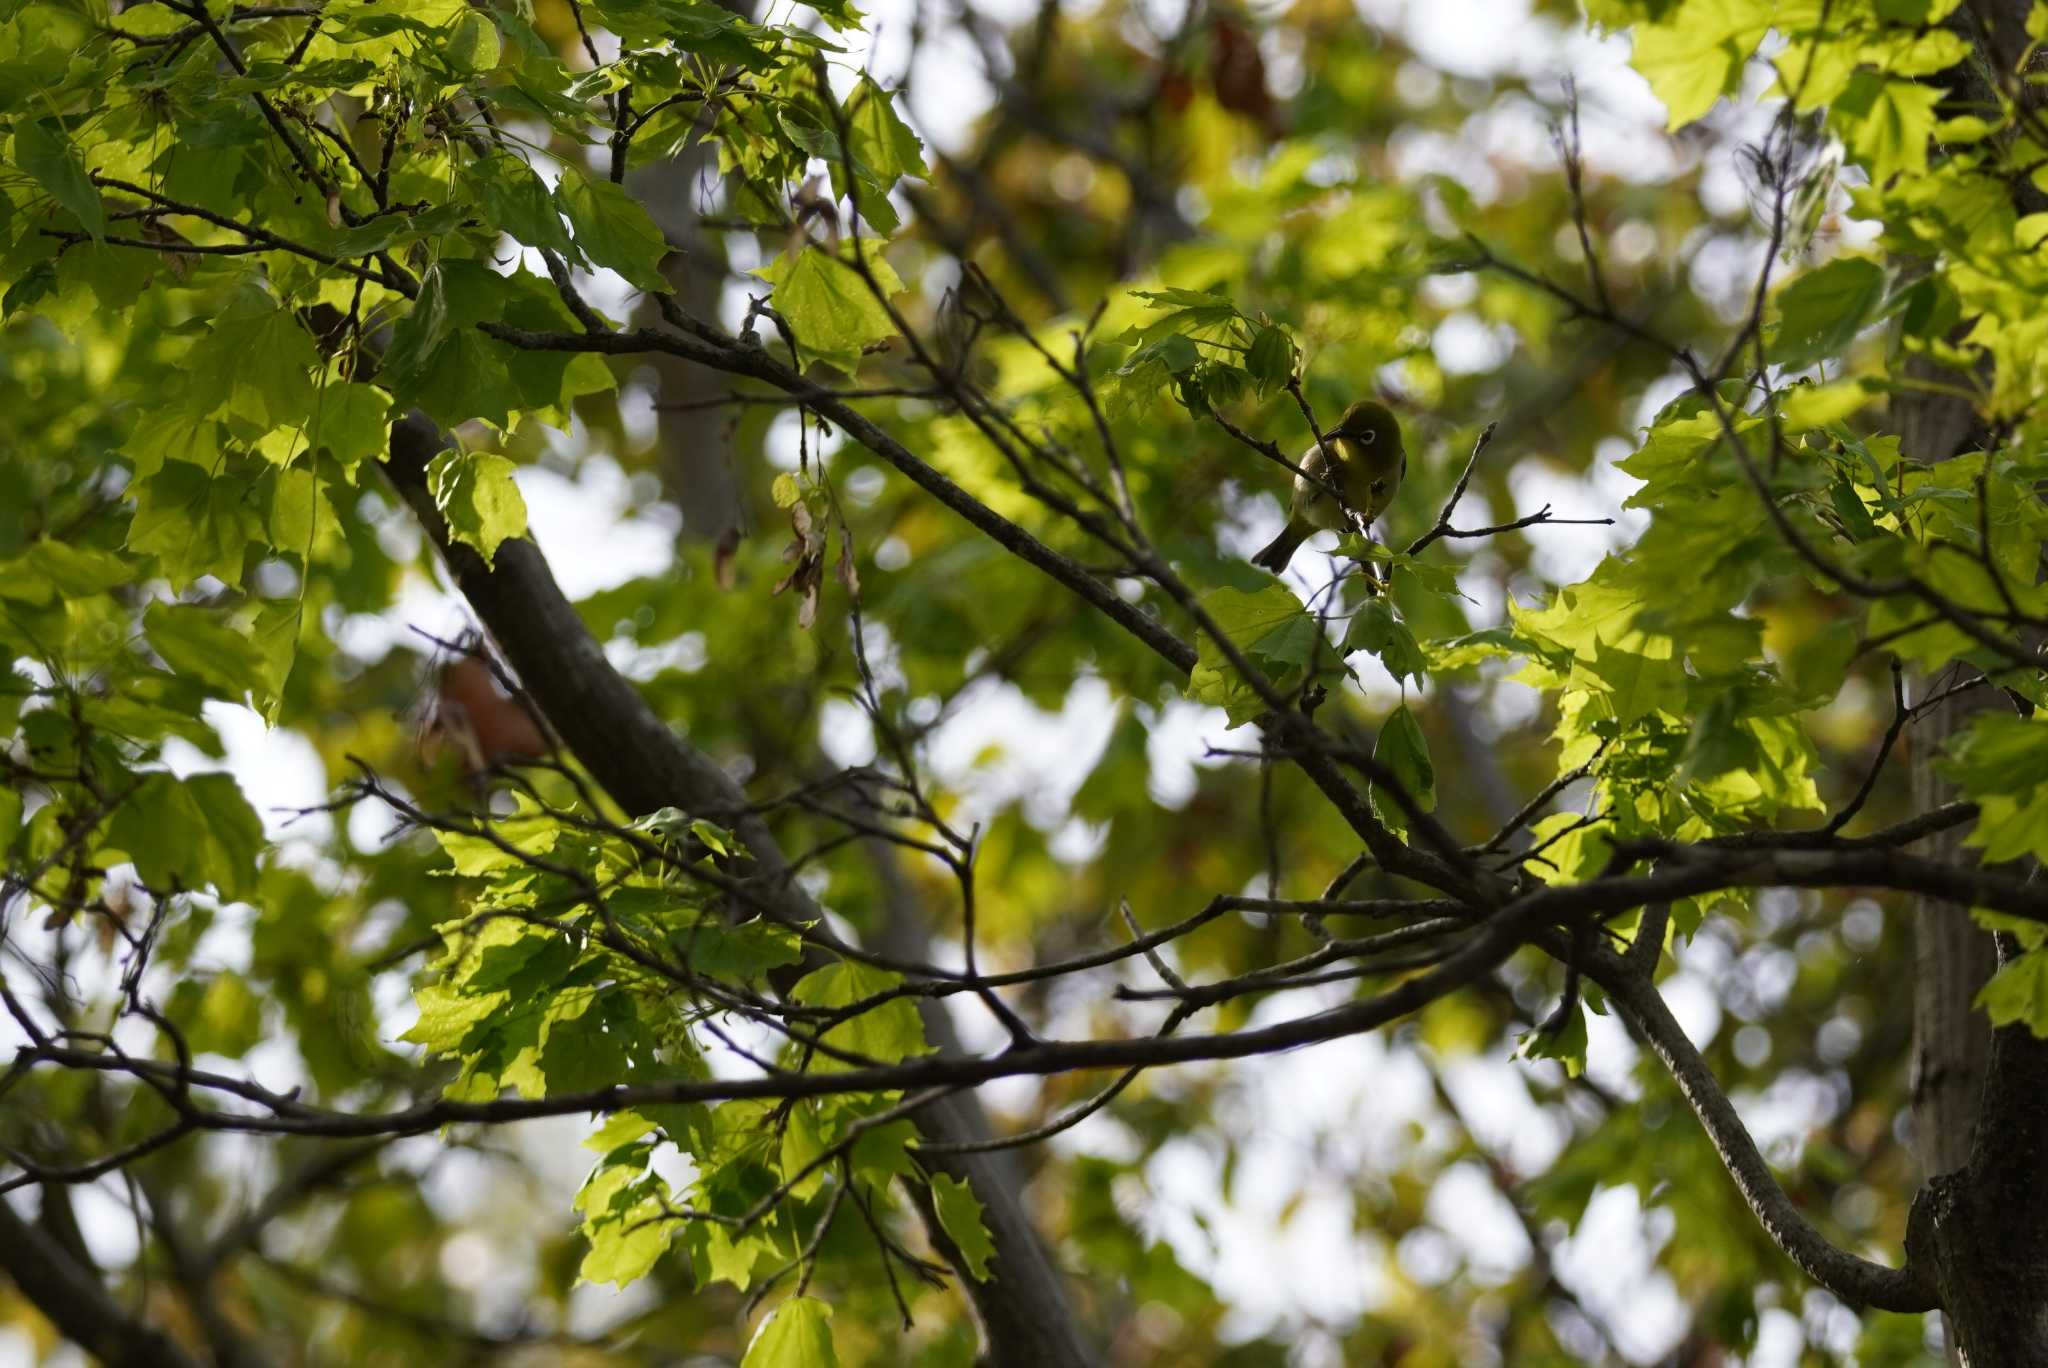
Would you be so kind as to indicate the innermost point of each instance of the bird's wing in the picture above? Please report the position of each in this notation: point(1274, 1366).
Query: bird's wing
point(1316, 464)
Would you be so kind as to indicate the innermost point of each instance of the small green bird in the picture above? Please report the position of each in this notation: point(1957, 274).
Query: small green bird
point(1370, 463)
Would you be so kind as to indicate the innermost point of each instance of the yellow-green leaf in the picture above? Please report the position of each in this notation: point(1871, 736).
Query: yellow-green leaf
point(798, 1335)
point(2019, 992)
point(194, 523)
point(1812, 406)
point(960, 1214)
point(829, 307)
point(1404, 751)
point(472, 45)
point(1822, 311)
point(1694, 57)
point(56, 166)
point(187, 833)
point(1887, 123)
point(197, 643)
point(886, 1033)
point(476, 494)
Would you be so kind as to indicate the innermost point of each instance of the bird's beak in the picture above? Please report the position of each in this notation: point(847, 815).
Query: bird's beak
point(1332, 435)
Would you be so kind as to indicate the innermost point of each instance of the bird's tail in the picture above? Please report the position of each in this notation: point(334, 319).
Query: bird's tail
point(1278, 552)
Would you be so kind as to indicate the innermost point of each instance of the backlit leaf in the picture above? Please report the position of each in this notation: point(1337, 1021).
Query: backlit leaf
point(797, 1335)
point(476, 494)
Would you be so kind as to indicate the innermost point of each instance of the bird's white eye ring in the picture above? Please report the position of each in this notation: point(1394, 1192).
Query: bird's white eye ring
point(1368, 436)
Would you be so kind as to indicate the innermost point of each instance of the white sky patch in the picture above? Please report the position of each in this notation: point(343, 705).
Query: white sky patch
point(1494, 1101)
point(1793, 1107)
point(598, 530)
point(1562, 555)
point(1467, 345)
point(278, 770)
point(1257, 513)
point(845, 734)
point(638, 418)
point(371, 826)
point(1613, 487)
point(1003, 749)
point(107, 1226)
point(1309, 1125)
point(1176, 746)
point(1442, 33)
point(1611, 1055)
point(1692, 1001)
point(1452, 291)
point(273, 1061)
point(788, 440)
point(1507, 704)
point(1486, 603)
point(1478, 1222)
point(1723, 271)
point(1608, 1260)
point(1779, 1340)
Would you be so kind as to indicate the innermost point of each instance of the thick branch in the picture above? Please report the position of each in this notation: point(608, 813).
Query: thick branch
point(1852, 1278)
point(644, 765)
point(1693, 870)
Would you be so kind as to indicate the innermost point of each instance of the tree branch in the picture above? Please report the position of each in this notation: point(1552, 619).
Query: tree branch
point(645, 765)
point(71, 1296)
point(1854, 1279)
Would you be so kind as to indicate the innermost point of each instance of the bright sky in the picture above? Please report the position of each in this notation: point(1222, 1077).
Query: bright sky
point(1309, 1122)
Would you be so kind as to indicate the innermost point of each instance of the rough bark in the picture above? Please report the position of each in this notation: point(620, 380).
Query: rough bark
point(694, 443)
point(1023, 1308)
point(1980, 1098)
point(1952, 956)
point(1981, 1229)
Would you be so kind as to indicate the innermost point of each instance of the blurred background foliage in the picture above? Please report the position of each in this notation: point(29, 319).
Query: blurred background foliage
point(1416, 1201)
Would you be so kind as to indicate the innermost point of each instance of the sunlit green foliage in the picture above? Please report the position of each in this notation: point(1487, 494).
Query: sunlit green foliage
point(236, 247)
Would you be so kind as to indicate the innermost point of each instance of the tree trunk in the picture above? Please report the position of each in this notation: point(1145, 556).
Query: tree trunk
point(695, 442)
point(1966, 1228)
point(1952, 959)
point(1980, 1098)
point(1981, 1229)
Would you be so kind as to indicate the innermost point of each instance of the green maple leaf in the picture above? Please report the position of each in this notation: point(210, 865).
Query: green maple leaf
point(830, 309)
point(960, 1215)
point(888, 1033)
point(189, 833)
point(1887, 123)
point(798, 1335)
point(613, 229)
point(194, 523)
point(476, 494)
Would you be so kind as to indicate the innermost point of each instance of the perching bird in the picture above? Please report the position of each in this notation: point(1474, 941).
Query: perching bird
point(1370, 463)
